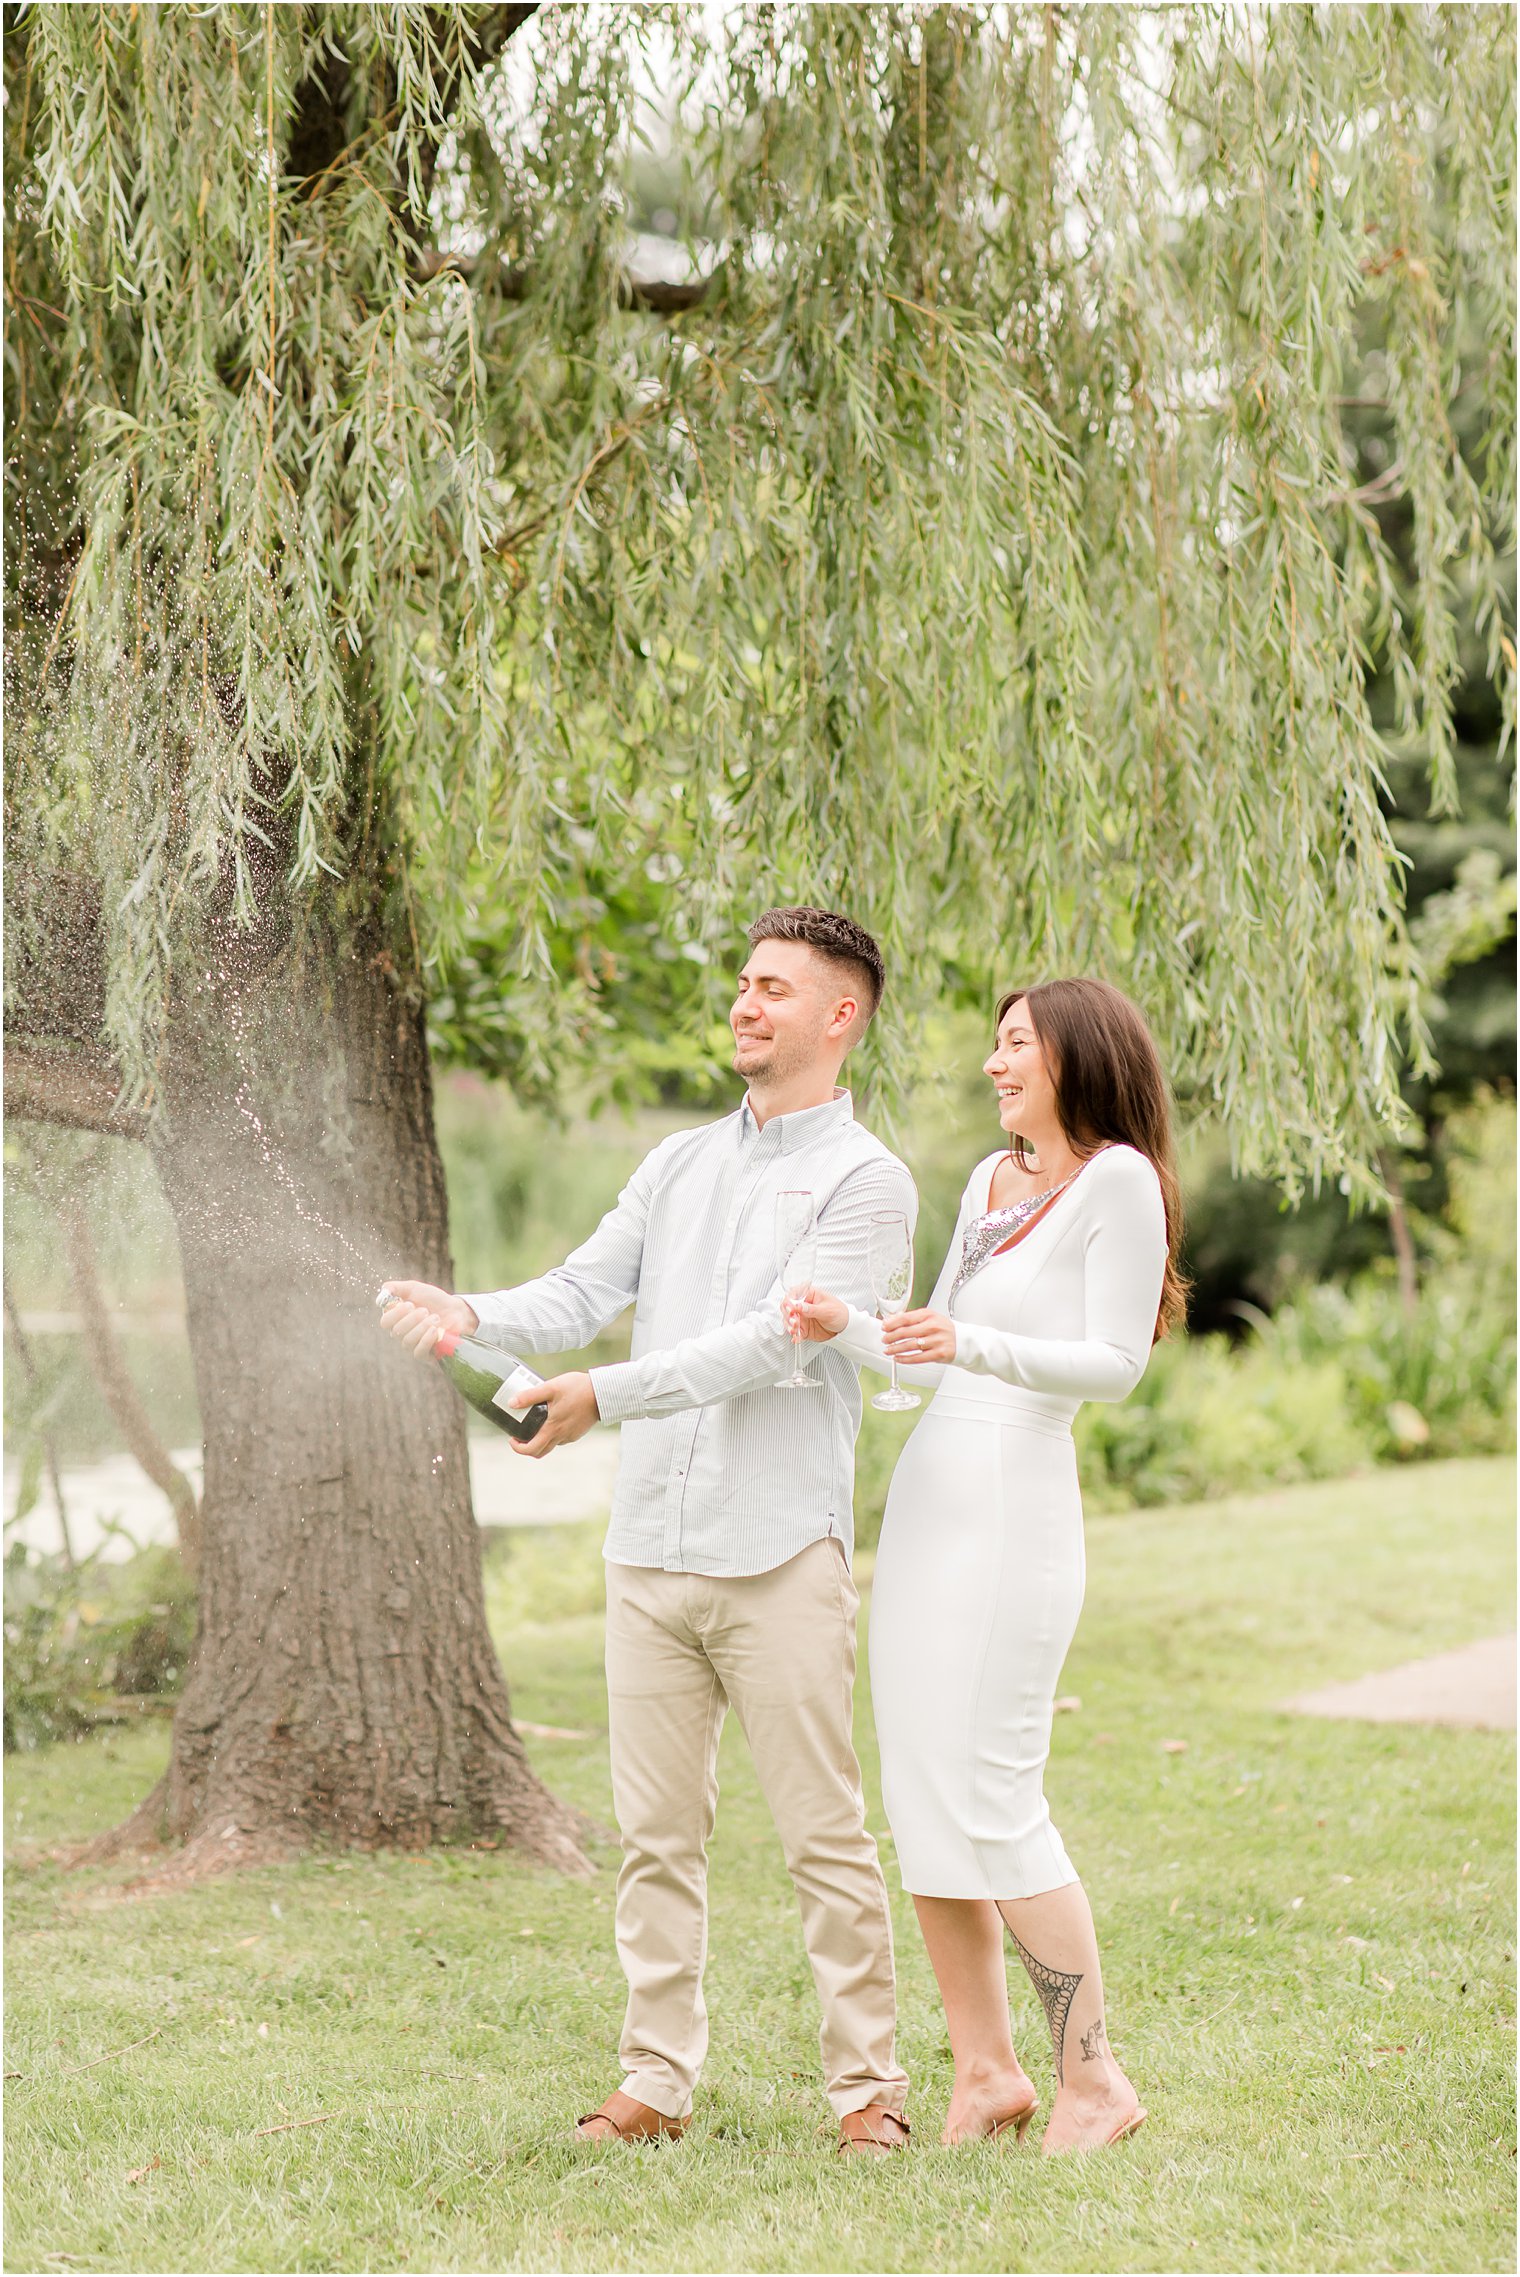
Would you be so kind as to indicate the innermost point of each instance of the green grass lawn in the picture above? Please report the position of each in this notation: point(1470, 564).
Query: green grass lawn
point(1308, 1945)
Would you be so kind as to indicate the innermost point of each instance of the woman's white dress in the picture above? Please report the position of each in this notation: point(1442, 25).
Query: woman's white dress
point(980, 1571)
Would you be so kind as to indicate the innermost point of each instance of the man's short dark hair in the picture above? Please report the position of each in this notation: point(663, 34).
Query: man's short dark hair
point(833, 936)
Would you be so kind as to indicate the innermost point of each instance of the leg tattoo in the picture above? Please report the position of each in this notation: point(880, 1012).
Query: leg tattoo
point(1057, 1989)
point(1092, 2042)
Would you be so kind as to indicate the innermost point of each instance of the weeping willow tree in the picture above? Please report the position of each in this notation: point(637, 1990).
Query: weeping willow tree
point(958, 525)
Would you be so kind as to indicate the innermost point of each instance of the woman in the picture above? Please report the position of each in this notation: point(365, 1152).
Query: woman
point(1062, 1273)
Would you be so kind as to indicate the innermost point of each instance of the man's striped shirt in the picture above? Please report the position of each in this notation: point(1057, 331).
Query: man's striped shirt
point(720, 1471)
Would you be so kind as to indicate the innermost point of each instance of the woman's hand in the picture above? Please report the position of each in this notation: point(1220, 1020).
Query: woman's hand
point(813, 1316)
point(921, 1335)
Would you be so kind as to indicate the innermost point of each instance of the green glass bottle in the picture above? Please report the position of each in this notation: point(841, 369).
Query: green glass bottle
point(487, 1379)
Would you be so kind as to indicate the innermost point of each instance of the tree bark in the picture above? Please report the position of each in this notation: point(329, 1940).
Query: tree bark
point(344, 1687)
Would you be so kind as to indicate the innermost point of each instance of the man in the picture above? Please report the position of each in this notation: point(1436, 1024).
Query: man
point(728, 1580)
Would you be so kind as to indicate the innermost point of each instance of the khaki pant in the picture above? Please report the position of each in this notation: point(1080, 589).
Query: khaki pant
point(780, 1649)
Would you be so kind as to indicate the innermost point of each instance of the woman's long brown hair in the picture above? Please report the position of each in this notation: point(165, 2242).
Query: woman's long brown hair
point(1110, 1091)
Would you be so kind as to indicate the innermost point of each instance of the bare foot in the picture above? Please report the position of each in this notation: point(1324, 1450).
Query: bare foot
point(981, 2099)
point(1101, 2113)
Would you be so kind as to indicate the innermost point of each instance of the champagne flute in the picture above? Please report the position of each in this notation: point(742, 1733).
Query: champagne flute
point(890, 1258)
point(796, 1263)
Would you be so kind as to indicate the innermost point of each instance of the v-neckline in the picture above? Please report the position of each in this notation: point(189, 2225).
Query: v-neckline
point(1037, 1217)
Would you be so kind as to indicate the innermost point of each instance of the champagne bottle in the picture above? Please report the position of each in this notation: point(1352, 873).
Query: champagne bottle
point(496, 1384)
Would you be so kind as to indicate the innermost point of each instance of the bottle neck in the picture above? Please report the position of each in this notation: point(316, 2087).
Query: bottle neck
point(447, 1345)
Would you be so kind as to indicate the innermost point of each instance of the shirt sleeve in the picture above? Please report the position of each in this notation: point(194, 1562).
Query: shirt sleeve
point(755, 1352)
point(572, 1303)
point(1124, 1262)
point(860, 1338)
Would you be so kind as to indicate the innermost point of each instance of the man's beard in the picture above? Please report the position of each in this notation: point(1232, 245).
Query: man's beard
point(788, 1056)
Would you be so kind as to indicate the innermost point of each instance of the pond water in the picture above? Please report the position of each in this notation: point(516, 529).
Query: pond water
point(114, 1509)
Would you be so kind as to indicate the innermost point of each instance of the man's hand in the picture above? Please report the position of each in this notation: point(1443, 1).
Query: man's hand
point(921, 1335)
point(571, 1401)
point(422, 1313)
point(813, 1316)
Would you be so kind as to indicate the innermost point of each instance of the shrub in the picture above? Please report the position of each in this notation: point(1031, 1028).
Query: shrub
point(93, 1643)
point(1209, 1419)
point(1440, 1379)
point(1437, 1382)
point(536, 1575)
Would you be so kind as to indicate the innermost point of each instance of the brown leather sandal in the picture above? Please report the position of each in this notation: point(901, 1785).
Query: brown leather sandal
point(623, 2119)
point(875, 2130)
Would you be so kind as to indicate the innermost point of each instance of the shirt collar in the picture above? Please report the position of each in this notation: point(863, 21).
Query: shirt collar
point(798, 1129)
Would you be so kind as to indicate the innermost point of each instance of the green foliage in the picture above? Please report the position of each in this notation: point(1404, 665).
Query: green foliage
point(525, 1188)
point(1472, 1018)
point(91, 1644)
point(1243, 1245)
point(1480, 1214)
point(1442, 1380)
point(1211, 1420)
point(882, 1439)
point(75, 1413)
point(985, 549)
point(1469, 920)
point(538, 1576)
point(639, 997)
point(1339, 1376)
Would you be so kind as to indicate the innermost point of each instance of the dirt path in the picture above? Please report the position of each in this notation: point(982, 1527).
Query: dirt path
point(1474, 1686)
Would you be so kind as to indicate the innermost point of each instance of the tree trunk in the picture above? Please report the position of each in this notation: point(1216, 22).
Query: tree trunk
point(1403, 1239)
point(344, 1687)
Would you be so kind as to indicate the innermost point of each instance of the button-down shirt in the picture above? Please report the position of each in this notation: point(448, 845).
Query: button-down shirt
point(720, 1471)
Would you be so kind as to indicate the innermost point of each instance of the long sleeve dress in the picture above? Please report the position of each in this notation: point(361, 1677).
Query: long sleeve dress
point(980, 1572)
